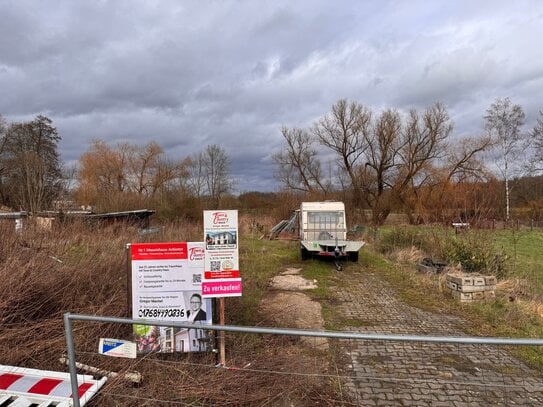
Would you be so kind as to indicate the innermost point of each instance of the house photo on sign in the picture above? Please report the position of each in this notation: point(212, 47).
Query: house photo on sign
point(221, 269)
point(167, 286)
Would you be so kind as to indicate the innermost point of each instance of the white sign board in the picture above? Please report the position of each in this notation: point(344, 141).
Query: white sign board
point(166, 286)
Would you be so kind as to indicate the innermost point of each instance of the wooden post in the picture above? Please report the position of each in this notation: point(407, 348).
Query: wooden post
point(128, 280)
point(222, 355)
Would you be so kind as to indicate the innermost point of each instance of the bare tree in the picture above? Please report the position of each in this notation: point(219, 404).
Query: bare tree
point(380, 170)
point(503, 122)
point(298, 165)
point(143, 165)
point(463, 163)
point(196, 174)
point(536, 164)
point(169, 176)
point(3, 140)
point(344, 130)
point(125, 170)
point(451, 190)
point(386, 159)
point(101, 173)
point(216, 166)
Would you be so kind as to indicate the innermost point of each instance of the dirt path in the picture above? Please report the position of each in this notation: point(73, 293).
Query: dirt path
point(424, 374)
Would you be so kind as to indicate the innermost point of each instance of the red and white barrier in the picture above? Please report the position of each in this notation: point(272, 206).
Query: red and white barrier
point(24, 387)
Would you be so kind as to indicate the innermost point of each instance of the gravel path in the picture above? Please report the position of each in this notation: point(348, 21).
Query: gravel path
point(383, 373)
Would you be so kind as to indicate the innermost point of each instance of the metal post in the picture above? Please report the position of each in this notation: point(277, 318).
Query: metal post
point(71, 358)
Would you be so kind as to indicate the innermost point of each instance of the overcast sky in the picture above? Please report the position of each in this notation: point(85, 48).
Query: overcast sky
point(191, 73)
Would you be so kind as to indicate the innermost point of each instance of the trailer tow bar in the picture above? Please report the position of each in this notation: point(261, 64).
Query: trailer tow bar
point(336, 258)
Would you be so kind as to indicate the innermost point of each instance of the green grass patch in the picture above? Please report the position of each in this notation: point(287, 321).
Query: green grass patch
point(324, 273)
point(260, 260)
point(327, 278)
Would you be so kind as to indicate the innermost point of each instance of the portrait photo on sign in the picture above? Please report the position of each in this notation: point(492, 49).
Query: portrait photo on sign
point(196, 307)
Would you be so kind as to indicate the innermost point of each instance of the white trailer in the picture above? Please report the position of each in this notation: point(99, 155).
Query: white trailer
point(323, 231)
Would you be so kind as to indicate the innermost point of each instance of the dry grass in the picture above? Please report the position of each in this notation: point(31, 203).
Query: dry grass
point(76, 269)
point(251, 378)
point(410, 255)
point(45, 274)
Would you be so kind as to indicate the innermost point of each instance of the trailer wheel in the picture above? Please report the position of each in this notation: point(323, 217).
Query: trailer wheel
point(353, 256)
point(304, 253)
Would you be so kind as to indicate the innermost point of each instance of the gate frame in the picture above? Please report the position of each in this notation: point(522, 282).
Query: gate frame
point(467, 340)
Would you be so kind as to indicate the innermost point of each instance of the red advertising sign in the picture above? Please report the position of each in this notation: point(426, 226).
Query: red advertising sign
point(159, 251)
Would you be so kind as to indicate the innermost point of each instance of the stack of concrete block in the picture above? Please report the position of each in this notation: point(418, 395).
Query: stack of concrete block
point(466, 288)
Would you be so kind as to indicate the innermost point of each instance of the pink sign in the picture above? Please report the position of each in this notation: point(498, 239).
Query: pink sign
point(159, 251)
point(222, 288)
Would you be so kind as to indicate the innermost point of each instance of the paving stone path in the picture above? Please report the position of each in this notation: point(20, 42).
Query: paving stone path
point(387, 373)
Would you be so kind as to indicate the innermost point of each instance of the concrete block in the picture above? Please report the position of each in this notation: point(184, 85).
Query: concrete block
point(479, 281)
point(491, 280)
point(459, 280)
point(462, 296)
point(476, 288)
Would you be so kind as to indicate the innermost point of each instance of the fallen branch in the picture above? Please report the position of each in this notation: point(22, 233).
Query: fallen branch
point(134, 377)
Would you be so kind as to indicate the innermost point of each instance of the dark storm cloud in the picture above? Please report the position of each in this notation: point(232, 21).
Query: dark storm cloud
point(192, 73)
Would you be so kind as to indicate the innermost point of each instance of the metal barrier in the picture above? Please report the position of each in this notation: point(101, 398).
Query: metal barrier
point(30, 387)
point(355, 336)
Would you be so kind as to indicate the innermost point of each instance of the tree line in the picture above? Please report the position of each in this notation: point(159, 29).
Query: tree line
point(107, 177)
point(381, 161)
point(410, 162)
point(114, 177)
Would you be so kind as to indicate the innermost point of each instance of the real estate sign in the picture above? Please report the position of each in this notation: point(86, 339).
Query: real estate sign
point(221, 266)
point(167, 286)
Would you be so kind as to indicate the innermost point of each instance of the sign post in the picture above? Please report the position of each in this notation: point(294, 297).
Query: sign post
point(222, 337)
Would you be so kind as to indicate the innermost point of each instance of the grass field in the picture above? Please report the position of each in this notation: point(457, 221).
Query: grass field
point(84, 271)
point(525, 246)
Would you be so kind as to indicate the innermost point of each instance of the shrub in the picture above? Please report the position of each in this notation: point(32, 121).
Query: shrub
point(398, 238)
point(476, 255)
